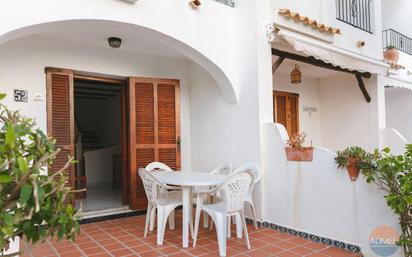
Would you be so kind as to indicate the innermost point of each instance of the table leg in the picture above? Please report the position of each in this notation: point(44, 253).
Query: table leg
point(186, 215)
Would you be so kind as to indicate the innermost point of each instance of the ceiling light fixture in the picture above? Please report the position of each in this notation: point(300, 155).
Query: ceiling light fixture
point(114, 42)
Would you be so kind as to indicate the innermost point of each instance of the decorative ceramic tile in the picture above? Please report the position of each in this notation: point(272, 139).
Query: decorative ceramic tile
point(308, 236)
point(230, 3)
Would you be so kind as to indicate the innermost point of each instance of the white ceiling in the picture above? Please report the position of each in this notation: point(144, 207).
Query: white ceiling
point(307, 70)
point(134, 40)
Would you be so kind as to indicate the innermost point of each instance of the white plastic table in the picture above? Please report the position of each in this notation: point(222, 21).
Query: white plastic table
point(188, 180)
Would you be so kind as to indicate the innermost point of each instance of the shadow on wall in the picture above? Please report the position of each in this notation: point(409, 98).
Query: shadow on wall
point(318, 198)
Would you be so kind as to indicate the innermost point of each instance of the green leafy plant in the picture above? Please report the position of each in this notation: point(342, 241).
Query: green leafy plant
point(393, 174)
point(32, 204)
point(350, 155)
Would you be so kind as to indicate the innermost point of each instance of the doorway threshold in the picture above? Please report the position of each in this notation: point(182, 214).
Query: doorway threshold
point(108, 214)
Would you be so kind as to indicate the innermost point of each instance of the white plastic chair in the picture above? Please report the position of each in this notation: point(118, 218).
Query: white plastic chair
point(160, 167)
point(157, 167)
point(234, 191)
point(257, 175)
point(224, 169)
point(164, 202)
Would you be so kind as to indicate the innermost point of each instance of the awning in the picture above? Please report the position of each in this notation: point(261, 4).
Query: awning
point(328, 53)
point(397, 82)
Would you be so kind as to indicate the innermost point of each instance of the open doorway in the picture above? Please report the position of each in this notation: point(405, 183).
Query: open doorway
point(112, 127)
point(98, 120)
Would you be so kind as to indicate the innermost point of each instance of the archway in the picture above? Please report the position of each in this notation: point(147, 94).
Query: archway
point(131, 33)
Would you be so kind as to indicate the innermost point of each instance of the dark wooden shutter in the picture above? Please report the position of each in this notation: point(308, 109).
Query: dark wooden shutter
point(280, 109)
point(154, 129)
point(286, 110)
point(60, 119)
point(294, 113)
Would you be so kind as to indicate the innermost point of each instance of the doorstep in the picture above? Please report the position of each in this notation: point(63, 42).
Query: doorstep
point(108, 214)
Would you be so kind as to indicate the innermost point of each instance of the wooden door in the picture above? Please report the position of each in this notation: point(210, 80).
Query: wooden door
point(60, 119)
point(154, 131)
point(286, 110)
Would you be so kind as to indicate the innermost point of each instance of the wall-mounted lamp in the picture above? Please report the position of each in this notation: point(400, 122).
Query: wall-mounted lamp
point(195, 3)
point(114, 42)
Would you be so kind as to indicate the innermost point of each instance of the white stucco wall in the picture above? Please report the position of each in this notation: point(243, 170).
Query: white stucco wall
point(318, 198)
point(23, 62)
point(399, 110)
point(346, 118)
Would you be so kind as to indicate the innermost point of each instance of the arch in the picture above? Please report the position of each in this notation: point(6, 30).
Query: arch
point(222, 80)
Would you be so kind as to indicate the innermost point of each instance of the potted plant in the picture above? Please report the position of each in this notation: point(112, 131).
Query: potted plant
point(33, 204)
point(391, 54)
point(353, 159)
point(295, 151)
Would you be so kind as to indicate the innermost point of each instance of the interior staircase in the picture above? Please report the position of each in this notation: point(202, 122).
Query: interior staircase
point(90, 140)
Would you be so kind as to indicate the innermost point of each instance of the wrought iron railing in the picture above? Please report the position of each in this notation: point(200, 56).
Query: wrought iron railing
point(357, 13)
point(392, 38)
point(230, 3)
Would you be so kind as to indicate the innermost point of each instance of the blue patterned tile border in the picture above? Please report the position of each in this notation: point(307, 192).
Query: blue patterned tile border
point(230, 3)
point(308, 236)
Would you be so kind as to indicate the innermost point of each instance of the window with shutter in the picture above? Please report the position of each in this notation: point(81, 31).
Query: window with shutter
point(154, 129)
point(60, 119)
point(286, 110)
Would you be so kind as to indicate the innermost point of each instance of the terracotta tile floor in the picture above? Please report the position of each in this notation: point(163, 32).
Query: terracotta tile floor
point(124, 237)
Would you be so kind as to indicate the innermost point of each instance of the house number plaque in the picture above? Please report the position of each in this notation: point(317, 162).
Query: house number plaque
point(21, 95)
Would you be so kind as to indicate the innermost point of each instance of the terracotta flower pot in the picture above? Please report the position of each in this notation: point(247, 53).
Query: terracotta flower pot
point(353, 169)
point(391, 55)
point(304, 154)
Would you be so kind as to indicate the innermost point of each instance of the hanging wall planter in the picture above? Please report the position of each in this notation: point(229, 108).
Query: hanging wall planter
point(304, 154)
point(295, 151)
point(351, 158)
point(353, 168)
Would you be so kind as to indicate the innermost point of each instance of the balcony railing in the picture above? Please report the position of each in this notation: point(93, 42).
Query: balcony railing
point(357, 13)
point(392, 38)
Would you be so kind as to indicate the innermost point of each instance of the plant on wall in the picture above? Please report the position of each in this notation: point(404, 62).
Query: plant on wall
point(32, 204)
point(352, 158)
point(297, 140)
point(295, 151)
point(393, 174)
